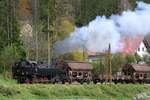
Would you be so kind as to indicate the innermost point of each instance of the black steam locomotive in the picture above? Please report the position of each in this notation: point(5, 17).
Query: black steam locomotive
point(30, 72)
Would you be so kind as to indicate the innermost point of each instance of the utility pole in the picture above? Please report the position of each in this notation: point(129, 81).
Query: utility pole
point(109, 65)
point(48, 37)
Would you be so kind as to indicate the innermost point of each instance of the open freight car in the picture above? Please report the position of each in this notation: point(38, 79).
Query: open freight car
point(76, 71)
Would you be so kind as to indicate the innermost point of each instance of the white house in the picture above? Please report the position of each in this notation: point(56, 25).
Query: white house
point(144, 47)
point(142, 50)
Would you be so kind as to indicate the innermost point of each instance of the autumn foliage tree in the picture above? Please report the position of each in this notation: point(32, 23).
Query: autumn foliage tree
point(24, 9)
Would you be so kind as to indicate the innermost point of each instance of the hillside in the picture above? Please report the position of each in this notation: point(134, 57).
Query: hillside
point(64, 17)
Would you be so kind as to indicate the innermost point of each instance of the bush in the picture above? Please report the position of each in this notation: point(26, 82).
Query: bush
point(77, 56)
point(9, 56)
point(147, 59)
point(130, 59)
point(7, 91)
point(118, 60)
point(98, 68)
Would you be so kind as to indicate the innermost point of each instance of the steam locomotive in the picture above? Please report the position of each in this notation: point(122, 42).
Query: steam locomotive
point(25, 71)
point(30, 72)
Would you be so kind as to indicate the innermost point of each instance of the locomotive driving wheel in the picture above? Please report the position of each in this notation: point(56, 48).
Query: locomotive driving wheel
point(27, 80)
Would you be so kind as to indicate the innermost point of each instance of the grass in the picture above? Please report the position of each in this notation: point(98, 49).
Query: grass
point(10, 90)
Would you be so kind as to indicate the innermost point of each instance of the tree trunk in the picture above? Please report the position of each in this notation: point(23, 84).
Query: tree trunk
point(48, 37)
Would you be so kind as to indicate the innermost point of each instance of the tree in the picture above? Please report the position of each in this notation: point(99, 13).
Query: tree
point(24, 9)
point(66, 27)
point(9, 27)
point(10, 34)
point(138, 58)
point(4, 24)
point(130, 59)
point(147, 59)
point(146, 1)
point(91, 9)
point(76, 56)
point(98, 68)
point(118, 60)
point(10, 55)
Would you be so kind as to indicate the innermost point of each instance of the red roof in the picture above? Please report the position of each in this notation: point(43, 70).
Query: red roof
point(131, 44)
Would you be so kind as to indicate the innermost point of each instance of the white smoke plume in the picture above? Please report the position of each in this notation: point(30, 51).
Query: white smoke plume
point(101, 31)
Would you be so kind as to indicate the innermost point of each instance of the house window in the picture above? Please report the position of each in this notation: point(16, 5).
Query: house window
point(137, 75)
point(80, 74)
point(143, 49)
point(145, 75)
point(138, 49)
point(141, 75)
point(74, 74)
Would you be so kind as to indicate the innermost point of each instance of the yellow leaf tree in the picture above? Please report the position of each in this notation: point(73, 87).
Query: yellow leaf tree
point(24, 9)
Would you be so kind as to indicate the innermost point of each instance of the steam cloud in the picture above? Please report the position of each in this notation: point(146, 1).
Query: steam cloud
point(100, 32)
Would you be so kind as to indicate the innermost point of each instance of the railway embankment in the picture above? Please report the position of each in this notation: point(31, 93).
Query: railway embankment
point(10, 90)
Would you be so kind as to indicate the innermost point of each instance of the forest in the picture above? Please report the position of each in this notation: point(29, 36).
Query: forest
point(30, 28)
